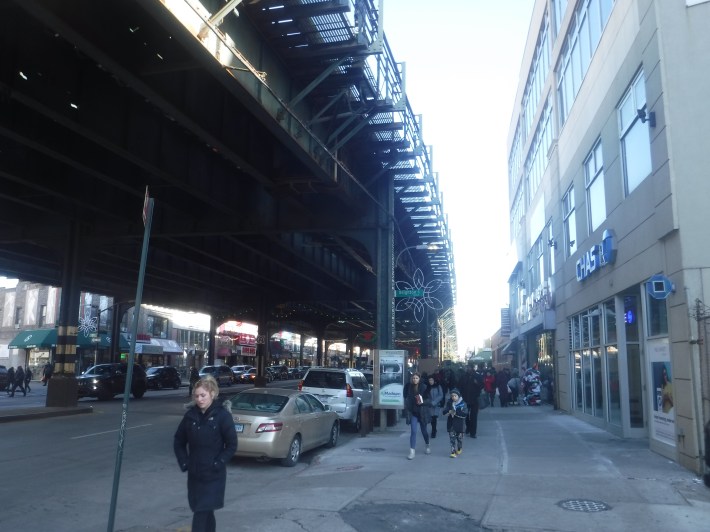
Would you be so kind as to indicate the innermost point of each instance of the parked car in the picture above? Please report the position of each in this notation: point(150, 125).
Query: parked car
point(238, 370)
point(281, 423)
point(160, 377)
point(279, 372)
point(105, 381)
point(295, 373)
point(345, 390)
point(222, 374)
point(249, 376)
point(369, 376)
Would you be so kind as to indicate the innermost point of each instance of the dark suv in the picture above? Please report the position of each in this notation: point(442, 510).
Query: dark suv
point(160, 377)
point(105, 381)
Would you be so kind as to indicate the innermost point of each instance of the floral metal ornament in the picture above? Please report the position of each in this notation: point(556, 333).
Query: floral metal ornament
point(418, 304)
point(88, 325)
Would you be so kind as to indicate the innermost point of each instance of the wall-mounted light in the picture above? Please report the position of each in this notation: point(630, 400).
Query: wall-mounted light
point(571, 243)
point(552, 243)
point(646, 116)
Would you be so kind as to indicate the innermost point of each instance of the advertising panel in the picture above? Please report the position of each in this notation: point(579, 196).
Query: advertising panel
point(663, 417)
point(388, 378)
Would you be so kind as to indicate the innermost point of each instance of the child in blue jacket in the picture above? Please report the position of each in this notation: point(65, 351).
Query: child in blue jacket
point(456, 412)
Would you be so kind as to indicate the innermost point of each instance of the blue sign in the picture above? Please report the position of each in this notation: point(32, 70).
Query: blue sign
point(599, 255)
point(659, 287)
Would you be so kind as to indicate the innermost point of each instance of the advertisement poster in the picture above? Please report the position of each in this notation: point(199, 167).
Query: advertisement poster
point(389, 378)
point(663, 418)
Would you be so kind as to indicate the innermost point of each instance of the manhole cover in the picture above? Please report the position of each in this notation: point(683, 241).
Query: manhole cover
point(349, 468)
point(370, 450)
point(582, 505)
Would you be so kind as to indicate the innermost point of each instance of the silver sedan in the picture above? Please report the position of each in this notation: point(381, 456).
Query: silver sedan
point(281, 423)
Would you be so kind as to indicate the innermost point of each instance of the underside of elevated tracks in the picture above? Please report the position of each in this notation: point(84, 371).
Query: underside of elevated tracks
point(289, 175)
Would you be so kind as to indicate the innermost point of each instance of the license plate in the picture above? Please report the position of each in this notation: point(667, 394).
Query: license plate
point(239, 427)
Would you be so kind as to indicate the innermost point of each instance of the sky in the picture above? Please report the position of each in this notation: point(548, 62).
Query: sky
point(463, 60)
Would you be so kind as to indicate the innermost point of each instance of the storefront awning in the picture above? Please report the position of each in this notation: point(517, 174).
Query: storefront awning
point(510, 348)
point(47, 338)
point(170, 347)
point(34, 338)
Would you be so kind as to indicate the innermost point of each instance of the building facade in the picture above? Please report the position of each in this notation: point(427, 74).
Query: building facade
point(608, 191)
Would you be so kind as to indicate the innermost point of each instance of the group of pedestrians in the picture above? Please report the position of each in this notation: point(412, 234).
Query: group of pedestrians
point(427, 398)
point(18, 378)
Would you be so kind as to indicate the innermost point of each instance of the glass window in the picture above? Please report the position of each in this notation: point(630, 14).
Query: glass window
point(634, 135)
point(598, 383)
point(577, 380)
point(594, 180)
point(614, 402)
point(657, 316)
point(570, 222)
point(633, 363)
point(610, 321)
point(631, 319)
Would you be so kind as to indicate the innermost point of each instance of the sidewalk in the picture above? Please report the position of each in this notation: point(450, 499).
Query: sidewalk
point(531, 468)
point(21, 408)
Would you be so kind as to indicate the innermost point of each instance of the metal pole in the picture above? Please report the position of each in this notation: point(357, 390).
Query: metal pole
point(129, 369)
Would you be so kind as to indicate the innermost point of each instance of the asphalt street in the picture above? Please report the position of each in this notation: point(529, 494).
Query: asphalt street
point(530, 469)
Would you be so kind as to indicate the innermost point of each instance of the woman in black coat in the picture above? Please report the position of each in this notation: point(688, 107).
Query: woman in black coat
point(204, 442)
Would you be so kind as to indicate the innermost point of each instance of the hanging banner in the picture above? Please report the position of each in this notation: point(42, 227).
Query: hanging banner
point(663, 412)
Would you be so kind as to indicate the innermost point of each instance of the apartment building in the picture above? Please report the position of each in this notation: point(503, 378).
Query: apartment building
point(609, 150)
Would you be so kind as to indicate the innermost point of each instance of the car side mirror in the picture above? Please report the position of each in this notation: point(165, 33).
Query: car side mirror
point(327, 408)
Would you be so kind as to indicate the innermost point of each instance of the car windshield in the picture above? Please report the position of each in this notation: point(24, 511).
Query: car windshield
point(325, 379)
point(259, 402)
point(153, 371)
point(99, 370)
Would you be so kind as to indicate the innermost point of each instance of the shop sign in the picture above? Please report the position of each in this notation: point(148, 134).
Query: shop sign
point(599, 255)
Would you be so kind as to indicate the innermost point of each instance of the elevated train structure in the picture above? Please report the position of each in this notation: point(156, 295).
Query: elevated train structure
point(291, 183)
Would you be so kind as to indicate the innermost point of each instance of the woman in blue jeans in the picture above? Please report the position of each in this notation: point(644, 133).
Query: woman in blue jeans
point(417, 405)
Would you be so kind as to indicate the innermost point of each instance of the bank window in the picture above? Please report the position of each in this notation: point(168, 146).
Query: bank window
point(634, 134)
point(570, 222)
point(594, 181)
point(657, 316)
point(157, 326)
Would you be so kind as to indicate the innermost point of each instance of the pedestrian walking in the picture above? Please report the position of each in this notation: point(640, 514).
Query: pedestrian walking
point(10, 380)
point(28, 378)
point(204, 442)
point(471, 391)
point(502, 379)
point(47, 371)
point(514, 386)
point(417, 409)
point(436, 395)
point(19, 381)
point(456, 411)
point(489, 384)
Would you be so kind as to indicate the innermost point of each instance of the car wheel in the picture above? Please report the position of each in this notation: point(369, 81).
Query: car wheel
point(357, 424)
point(334, 433)
point(158, 385)
point(138, 392)
point(294, 453)
point(177, 384)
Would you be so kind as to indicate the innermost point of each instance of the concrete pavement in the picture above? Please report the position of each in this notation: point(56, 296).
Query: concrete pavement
point(530, 469)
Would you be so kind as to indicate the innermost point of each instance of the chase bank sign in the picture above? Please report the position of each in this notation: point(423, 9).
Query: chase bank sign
point(599, 255)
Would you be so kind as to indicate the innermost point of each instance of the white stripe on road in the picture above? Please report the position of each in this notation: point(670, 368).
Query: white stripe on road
point(503, 449)
point(109, 432)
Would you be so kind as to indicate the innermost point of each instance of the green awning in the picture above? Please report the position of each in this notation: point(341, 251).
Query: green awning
point(34, 338)
point(47, 338)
